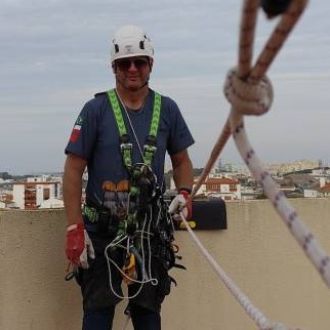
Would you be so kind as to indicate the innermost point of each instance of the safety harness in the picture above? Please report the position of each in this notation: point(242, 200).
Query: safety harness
point(147, 234)
point(143, 183)
point(150, 148)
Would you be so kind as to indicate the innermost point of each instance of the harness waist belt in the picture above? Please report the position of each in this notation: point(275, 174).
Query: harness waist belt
point(91, 213)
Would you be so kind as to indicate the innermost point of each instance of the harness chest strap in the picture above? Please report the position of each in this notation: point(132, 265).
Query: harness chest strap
point(150, 148)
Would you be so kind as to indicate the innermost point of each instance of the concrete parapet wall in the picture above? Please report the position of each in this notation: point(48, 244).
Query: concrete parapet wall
point(256, 250)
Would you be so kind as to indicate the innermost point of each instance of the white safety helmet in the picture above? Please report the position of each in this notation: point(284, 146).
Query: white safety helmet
point(130, 40)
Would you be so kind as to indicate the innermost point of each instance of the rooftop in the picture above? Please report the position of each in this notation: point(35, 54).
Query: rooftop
point(257, 251)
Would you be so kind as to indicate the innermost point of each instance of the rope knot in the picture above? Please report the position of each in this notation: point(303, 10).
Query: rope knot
point(247, 97)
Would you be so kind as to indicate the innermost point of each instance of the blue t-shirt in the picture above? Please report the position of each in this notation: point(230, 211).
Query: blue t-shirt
point(95, 138)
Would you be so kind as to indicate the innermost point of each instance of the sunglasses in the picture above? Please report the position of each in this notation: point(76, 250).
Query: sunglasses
point(125, 63)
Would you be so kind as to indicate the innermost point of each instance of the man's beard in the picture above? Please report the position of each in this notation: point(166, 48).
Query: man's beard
point(133, 88)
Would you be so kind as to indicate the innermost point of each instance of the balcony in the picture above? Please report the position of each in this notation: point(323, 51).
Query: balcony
point(256, 250)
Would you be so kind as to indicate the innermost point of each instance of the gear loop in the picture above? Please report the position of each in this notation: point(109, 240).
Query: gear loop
point(248, 97)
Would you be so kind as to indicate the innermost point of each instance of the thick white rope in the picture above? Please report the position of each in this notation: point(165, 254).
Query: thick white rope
point(305, 238)
point(251, 93)
point(257, 100)
point(257, 316)
point(248, 98)
point(296, 226)
point(272, 47)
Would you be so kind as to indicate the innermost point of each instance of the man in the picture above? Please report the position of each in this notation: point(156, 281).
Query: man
point(123, 231)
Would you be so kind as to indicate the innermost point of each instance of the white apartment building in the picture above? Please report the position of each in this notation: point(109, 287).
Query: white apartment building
point(225, 188)
point(220, 187)
point(294, 166)
point(32, 194)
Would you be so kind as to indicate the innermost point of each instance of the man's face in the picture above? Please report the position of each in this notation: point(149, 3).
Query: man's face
point(133, 72)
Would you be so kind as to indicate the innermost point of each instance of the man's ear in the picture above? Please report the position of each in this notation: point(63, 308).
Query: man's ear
point(114, 67)
point(151, 63)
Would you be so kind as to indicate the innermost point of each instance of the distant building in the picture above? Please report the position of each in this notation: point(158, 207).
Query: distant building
point(294, 166)
point(52, 203)
point(325, 190)
point(311, 193)
point(30, 195)
point(39, 178)
point(225, 188)
point(250, 193)
point(7, 205)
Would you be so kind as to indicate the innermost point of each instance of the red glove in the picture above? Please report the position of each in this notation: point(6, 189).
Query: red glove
point(181, 203)
point(188, 206)
point(78, 245)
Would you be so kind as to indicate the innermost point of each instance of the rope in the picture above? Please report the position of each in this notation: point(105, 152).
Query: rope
point(146, 274)
point(250, 93)
point(255, 314)
point(235, 91)
point(298, 229)
point(272, 47)
point(296, 226)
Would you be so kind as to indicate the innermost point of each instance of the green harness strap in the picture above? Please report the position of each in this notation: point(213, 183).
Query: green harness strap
point(150, 148)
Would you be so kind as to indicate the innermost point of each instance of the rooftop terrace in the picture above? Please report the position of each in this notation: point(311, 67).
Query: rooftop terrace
point(256, 250)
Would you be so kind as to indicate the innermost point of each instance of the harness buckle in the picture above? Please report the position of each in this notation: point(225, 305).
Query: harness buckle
point(149, 148)
point(149, 152)
point(126, 147)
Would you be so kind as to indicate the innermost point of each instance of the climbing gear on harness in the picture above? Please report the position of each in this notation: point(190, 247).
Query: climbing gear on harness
point(71, 271)
point(106, 219)
point(150, 148)
point(129, 41)
point(78, 245)
point(146, 233)
point(129, 269)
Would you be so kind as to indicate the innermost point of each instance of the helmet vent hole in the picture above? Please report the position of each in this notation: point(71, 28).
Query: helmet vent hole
point(142, 44)
point(116, 48)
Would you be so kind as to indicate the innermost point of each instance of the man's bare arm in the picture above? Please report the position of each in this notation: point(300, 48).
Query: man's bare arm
point(182, 170)
point(72, 185)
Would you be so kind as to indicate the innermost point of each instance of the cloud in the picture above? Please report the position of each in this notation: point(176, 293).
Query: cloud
point(55, 56)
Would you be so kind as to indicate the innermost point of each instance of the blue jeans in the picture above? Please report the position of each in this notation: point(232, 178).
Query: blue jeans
point(142, 319)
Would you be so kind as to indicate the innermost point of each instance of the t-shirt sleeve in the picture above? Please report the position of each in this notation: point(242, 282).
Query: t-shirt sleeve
point(83, 135)
point(180, 137)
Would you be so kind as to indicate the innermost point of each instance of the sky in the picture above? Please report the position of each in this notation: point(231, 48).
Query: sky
point(55, 55)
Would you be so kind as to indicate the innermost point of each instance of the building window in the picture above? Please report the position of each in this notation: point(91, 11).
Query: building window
point(46, 193)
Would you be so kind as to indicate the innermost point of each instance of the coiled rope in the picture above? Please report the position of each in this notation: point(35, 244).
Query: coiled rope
point(145, 234)
point(250, 93)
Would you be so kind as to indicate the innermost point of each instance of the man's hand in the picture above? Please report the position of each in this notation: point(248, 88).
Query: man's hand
point(181, 203)
point(78, 245)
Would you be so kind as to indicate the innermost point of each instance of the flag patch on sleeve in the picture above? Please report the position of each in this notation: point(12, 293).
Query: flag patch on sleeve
point(76, 130)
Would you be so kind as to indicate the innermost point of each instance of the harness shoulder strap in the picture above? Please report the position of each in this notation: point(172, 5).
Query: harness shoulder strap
point(150, 145)
point(126, 147)
point(155, 115)
point(117, 112)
